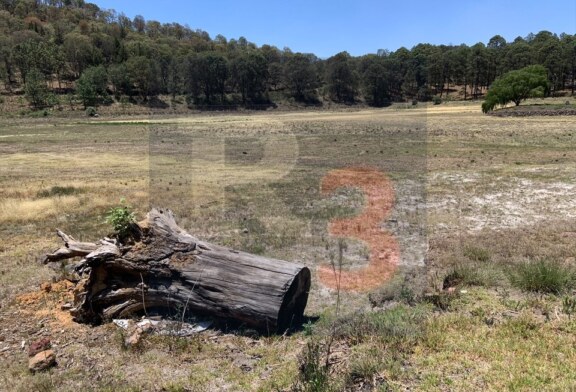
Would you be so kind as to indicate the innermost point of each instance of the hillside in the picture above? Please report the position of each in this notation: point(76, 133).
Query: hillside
point(66, 54)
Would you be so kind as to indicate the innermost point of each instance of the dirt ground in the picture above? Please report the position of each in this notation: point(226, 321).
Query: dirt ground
point(468, 190)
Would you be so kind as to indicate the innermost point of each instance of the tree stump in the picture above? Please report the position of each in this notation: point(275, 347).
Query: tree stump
point(170, 271)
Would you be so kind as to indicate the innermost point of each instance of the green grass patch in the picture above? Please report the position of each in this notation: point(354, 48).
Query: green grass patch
point(57, 190)
point(542, 276)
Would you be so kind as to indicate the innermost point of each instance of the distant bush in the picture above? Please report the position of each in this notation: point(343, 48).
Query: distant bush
point(91, 111)
point(542, 276)
point(436, 100)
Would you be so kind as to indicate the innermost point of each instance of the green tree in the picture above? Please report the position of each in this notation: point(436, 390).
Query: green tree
point(478, 68)
point(376, 80)
point(36, 90)
point(143, 74)
point(206, 73)
point(33, 53)
point(496, 51)
point(516, 86)
point(80, 52)
point(250, 75)
point(91, 86)
point(301, 77)
point(518, 55)
point(118, 74)
point(569, 55)
point(342, 78)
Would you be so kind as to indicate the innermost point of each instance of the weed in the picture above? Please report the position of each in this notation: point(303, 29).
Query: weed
point(441, 300)
point(122, 219)
point(401, 324)
point(314, 376)
point(405, 287)
point(472, 275)
point(175, 387)
point(477, 254)
point(569, 306)
point(542, 276)
point(315, 361)
point(365, 364)
point(42, 383)
point(524, 326)
point(308, 328)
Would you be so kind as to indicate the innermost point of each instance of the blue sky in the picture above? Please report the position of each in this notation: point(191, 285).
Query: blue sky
point(326, 27)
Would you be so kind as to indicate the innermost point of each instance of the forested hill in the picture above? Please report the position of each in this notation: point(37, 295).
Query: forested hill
point(53, 50)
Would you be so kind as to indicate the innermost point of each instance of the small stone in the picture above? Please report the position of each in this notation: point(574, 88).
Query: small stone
point(66, 306)
point(42, 361)
point(39, 346)
point(133, 339)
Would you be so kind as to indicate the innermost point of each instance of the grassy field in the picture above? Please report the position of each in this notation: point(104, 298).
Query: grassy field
point(483, 216)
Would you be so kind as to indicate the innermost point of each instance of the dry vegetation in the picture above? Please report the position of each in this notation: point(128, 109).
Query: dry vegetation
point(480, 201)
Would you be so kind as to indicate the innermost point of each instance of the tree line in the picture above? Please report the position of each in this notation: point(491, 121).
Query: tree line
point(51, 47)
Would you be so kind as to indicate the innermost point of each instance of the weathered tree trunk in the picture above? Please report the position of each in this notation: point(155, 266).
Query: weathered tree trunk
point(170, 271)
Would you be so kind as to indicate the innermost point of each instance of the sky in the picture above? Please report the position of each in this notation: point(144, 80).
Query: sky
point(326, 27)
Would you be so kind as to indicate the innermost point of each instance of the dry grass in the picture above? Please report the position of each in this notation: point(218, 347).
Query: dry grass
point(498, 192)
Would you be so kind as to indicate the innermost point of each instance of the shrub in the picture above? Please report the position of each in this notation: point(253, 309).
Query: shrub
point(542, 276)
point(122, 219)
point(436, 100)
point(91, 111)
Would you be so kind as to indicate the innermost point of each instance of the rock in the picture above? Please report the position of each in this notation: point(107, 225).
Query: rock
point(142, 328)
point(39, 346)
point(42, 361)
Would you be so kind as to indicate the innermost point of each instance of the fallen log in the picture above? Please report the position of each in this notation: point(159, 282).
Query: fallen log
point(169, 271)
